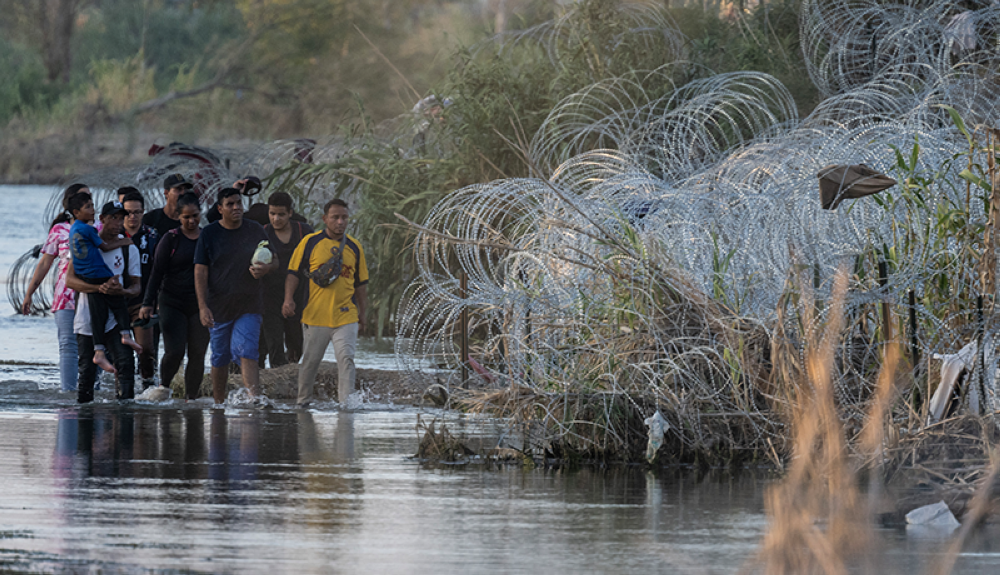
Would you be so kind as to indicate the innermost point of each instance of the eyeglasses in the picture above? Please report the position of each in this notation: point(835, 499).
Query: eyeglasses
point(135, 212)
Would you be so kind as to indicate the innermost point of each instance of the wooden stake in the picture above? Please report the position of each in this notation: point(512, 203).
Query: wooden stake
point(914, 349)
point(883, 280)
point(464, 283)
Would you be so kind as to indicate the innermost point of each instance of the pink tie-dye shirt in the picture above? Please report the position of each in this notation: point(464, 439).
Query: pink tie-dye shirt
point(57, 244)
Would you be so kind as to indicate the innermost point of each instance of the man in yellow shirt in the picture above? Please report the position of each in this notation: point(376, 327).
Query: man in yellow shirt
point(338, 296)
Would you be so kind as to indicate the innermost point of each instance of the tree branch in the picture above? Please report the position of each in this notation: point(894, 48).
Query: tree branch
point(171, 96)
point(219, 80)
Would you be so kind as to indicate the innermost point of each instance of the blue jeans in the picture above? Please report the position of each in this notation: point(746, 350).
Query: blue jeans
point(67, 349)
point(237, 339)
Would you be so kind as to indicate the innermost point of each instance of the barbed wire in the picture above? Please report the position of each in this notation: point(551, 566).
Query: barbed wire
point(848, 44)
point(19, 277)
point(660, 210)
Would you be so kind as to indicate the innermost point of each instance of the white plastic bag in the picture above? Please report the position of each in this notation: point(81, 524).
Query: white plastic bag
point(657, 425)
point(931, 522)
point(262, 255)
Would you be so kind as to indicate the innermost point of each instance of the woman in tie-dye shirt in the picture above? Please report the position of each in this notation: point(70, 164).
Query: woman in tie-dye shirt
point(63, 302)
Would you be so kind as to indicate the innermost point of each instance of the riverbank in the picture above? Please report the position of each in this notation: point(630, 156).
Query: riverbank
point(378, 386)
point(29, 158)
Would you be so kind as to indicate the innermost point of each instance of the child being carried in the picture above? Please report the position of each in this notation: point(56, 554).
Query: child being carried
point(86, 246)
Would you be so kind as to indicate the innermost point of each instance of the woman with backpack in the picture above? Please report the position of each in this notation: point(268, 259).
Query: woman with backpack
point(171, 286)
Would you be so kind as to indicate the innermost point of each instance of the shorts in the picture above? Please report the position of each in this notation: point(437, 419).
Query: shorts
point(236, 339)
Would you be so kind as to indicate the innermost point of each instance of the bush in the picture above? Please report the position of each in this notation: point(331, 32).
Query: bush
point(167, 39)
point(24, 86)
point(766, 40)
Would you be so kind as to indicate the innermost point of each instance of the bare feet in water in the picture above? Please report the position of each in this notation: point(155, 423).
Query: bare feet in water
point(102, 362)
point(127, 340)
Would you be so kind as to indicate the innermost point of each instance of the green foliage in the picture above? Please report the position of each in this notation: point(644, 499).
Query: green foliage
point(600, 43)
point(121, 84)
point(310, 57)
point(169, 36)
point(722, 286)
point(24, 86)
point(503, 93)
point(498, 103)
point(291, 64)
point(766, 40)
point(945, 240)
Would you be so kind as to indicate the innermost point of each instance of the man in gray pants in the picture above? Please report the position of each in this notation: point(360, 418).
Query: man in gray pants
point(338, 296)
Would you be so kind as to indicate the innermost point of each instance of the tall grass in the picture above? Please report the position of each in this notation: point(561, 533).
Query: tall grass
point(818, 514)
point(822, 513)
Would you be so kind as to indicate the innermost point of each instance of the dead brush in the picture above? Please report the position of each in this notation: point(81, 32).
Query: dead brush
point(952, 455)
point(683, 354)
point(819, 516)
point(609, 425)
point(603, 425)
point(438, 444)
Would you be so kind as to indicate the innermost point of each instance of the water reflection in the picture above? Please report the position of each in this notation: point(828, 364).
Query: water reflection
point(234, 449)
point(140, 489)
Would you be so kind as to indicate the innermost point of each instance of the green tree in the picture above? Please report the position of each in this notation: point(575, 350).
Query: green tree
point(49, 26)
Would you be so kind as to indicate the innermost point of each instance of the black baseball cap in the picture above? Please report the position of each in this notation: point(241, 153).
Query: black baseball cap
point(176, 181)
point(112, 208)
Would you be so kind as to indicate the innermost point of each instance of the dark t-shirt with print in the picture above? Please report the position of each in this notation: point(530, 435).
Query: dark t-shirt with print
point(160, 222)
point(145, 241)
point(232, 291)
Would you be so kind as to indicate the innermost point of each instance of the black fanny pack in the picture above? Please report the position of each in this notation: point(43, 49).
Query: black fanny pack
point(329, 271)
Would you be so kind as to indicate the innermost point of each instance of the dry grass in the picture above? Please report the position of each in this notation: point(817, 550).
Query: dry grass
point(821, 514)
point(819, 517)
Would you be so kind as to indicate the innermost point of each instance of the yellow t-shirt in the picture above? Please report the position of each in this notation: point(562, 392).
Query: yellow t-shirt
point(333, 305)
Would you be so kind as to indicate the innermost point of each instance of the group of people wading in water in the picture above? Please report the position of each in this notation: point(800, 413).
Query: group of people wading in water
point(258, 285)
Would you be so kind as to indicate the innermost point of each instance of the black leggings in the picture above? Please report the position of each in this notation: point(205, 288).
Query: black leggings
point(278, 332)
point(182, 332)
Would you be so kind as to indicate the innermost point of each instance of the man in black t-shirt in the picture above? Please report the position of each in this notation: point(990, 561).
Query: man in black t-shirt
point(168, 217)
point(145, 238)
point(230, 292)
point(280, 332)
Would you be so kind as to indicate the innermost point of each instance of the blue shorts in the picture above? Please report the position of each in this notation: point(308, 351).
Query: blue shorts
point(235, 339)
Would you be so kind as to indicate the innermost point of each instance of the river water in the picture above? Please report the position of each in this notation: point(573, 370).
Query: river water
point(187, 487)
